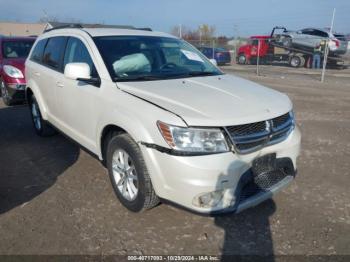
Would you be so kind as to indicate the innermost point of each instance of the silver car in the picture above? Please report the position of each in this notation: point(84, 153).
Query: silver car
point(309, 38)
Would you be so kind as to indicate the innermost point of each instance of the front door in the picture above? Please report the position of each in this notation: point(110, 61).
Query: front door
point(77, 99)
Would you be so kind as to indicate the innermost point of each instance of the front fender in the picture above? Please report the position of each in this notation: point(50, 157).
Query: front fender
point(138, 118)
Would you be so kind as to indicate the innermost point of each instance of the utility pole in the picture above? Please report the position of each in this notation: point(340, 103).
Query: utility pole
point(180, 30)
point(258, 59)
point(235, 28)
point(326, 49)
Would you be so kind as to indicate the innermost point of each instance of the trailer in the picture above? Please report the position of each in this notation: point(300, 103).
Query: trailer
point(272, 48)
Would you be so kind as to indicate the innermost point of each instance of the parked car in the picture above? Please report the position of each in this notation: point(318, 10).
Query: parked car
point(221, 55)
point(166, 122)
point(13, 53)
point(309, 38)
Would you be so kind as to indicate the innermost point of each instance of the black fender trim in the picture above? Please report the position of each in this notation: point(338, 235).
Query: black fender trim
point(177, 152)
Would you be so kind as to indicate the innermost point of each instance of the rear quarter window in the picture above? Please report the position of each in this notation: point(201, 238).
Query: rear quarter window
point(38, 51)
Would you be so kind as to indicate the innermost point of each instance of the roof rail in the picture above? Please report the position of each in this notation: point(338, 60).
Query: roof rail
point(144, 28)
point(64, 26)
point(96, 26)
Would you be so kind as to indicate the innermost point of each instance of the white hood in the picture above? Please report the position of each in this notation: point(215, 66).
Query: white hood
point(213, 100)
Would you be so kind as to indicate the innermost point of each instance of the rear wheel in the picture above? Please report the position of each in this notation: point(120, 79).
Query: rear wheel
point(42, 127)
point(297, 61)
point(128, 174)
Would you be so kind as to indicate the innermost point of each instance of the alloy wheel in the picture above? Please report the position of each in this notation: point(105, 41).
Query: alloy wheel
point(295, 62)
point(124, 174)
point(242, 59)
point(36, 116)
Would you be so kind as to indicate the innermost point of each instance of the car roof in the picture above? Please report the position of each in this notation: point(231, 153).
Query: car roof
point(97, 32)
point(326, 30)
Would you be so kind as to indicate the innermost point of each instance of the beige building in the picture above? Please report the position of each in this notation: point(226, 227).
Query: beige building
point(34, 29)
point(21, 29)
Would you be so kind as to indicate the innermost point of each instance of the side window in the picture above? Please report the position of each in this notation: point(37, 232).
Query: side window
point(54, 51)
point(255, 42)
point(320, 33)
point(38, 51)
point(307, 32)
point(76, 52)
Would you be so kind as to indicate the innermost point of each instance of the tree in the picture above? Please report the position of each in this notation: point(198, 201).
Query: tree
point(206, 32)
point(203, 32)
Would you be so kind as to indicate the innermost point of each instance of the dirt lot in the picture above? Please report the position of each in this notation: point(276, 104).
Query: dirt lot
point(57, 199)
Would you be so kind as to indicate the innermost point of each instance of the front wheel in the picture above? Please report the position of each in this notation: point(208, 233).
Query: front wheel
point(42, 127)
point(128, 174)
point(5, 95)
point(242, 60)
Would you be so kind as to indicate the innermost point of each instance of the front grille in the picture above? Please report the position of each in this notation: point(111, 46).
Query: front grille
point(248, 146)
point(251, 137)
point(248, 129)
point(280, 121)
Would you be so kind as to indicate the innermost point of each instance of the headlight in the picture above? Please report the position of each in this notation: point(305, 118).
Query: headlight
point(12, 71)
point(201, 140)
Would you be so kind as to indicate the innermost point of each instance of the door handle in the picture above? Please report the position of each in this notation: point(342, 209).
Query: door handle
point(59, 84)
point(37, 73)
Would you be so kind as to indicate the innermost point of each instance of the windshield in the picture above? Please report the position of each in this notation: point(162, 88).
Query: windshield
point(134, 58)
point(16, 49)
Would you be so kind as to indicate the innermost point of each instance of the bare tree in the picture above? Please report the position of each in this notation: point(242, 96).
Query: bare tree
point(204, 32)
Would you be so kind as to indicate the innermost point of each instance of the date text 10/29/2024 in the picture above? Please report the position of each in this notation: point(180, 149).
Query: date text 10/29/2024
point(173, 258)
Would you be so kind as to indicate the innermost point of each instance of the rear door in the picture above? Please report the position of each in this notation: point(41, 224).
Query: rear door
point(50, 74)
point(304, 38)
point(318, 36)
point(77, 99)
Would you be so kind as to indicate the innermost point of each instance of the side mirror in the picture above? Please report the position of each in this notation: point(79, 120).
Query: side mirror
point(77, 70)
point(213, 61)
point(80, 72)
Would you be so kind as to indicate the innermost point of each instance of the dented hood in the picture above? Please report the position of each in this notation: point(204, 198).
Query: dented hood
point(212, 100)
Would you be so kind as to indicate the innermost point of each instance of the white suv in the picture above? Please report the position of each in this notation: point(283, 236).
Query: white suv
point(166, 122)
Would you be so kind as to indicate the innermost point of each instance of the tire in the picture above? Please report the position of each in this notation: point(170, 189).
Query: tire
point(5, 95)
point(296, 61)
point(242, 60)
point(42, 127)
point(128, 174)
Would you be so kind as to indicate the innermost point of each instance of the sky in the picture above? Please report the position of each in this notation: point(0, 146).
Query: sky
point(230, 17)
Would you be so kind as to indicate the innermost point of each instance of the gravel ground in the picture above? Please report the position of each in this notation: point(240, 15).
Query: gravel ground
point(57, 199)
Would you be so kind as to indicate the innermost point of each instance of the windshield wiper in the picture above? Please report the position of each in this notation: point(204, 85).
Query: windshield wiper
point(202, 73)
point(137, 78)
